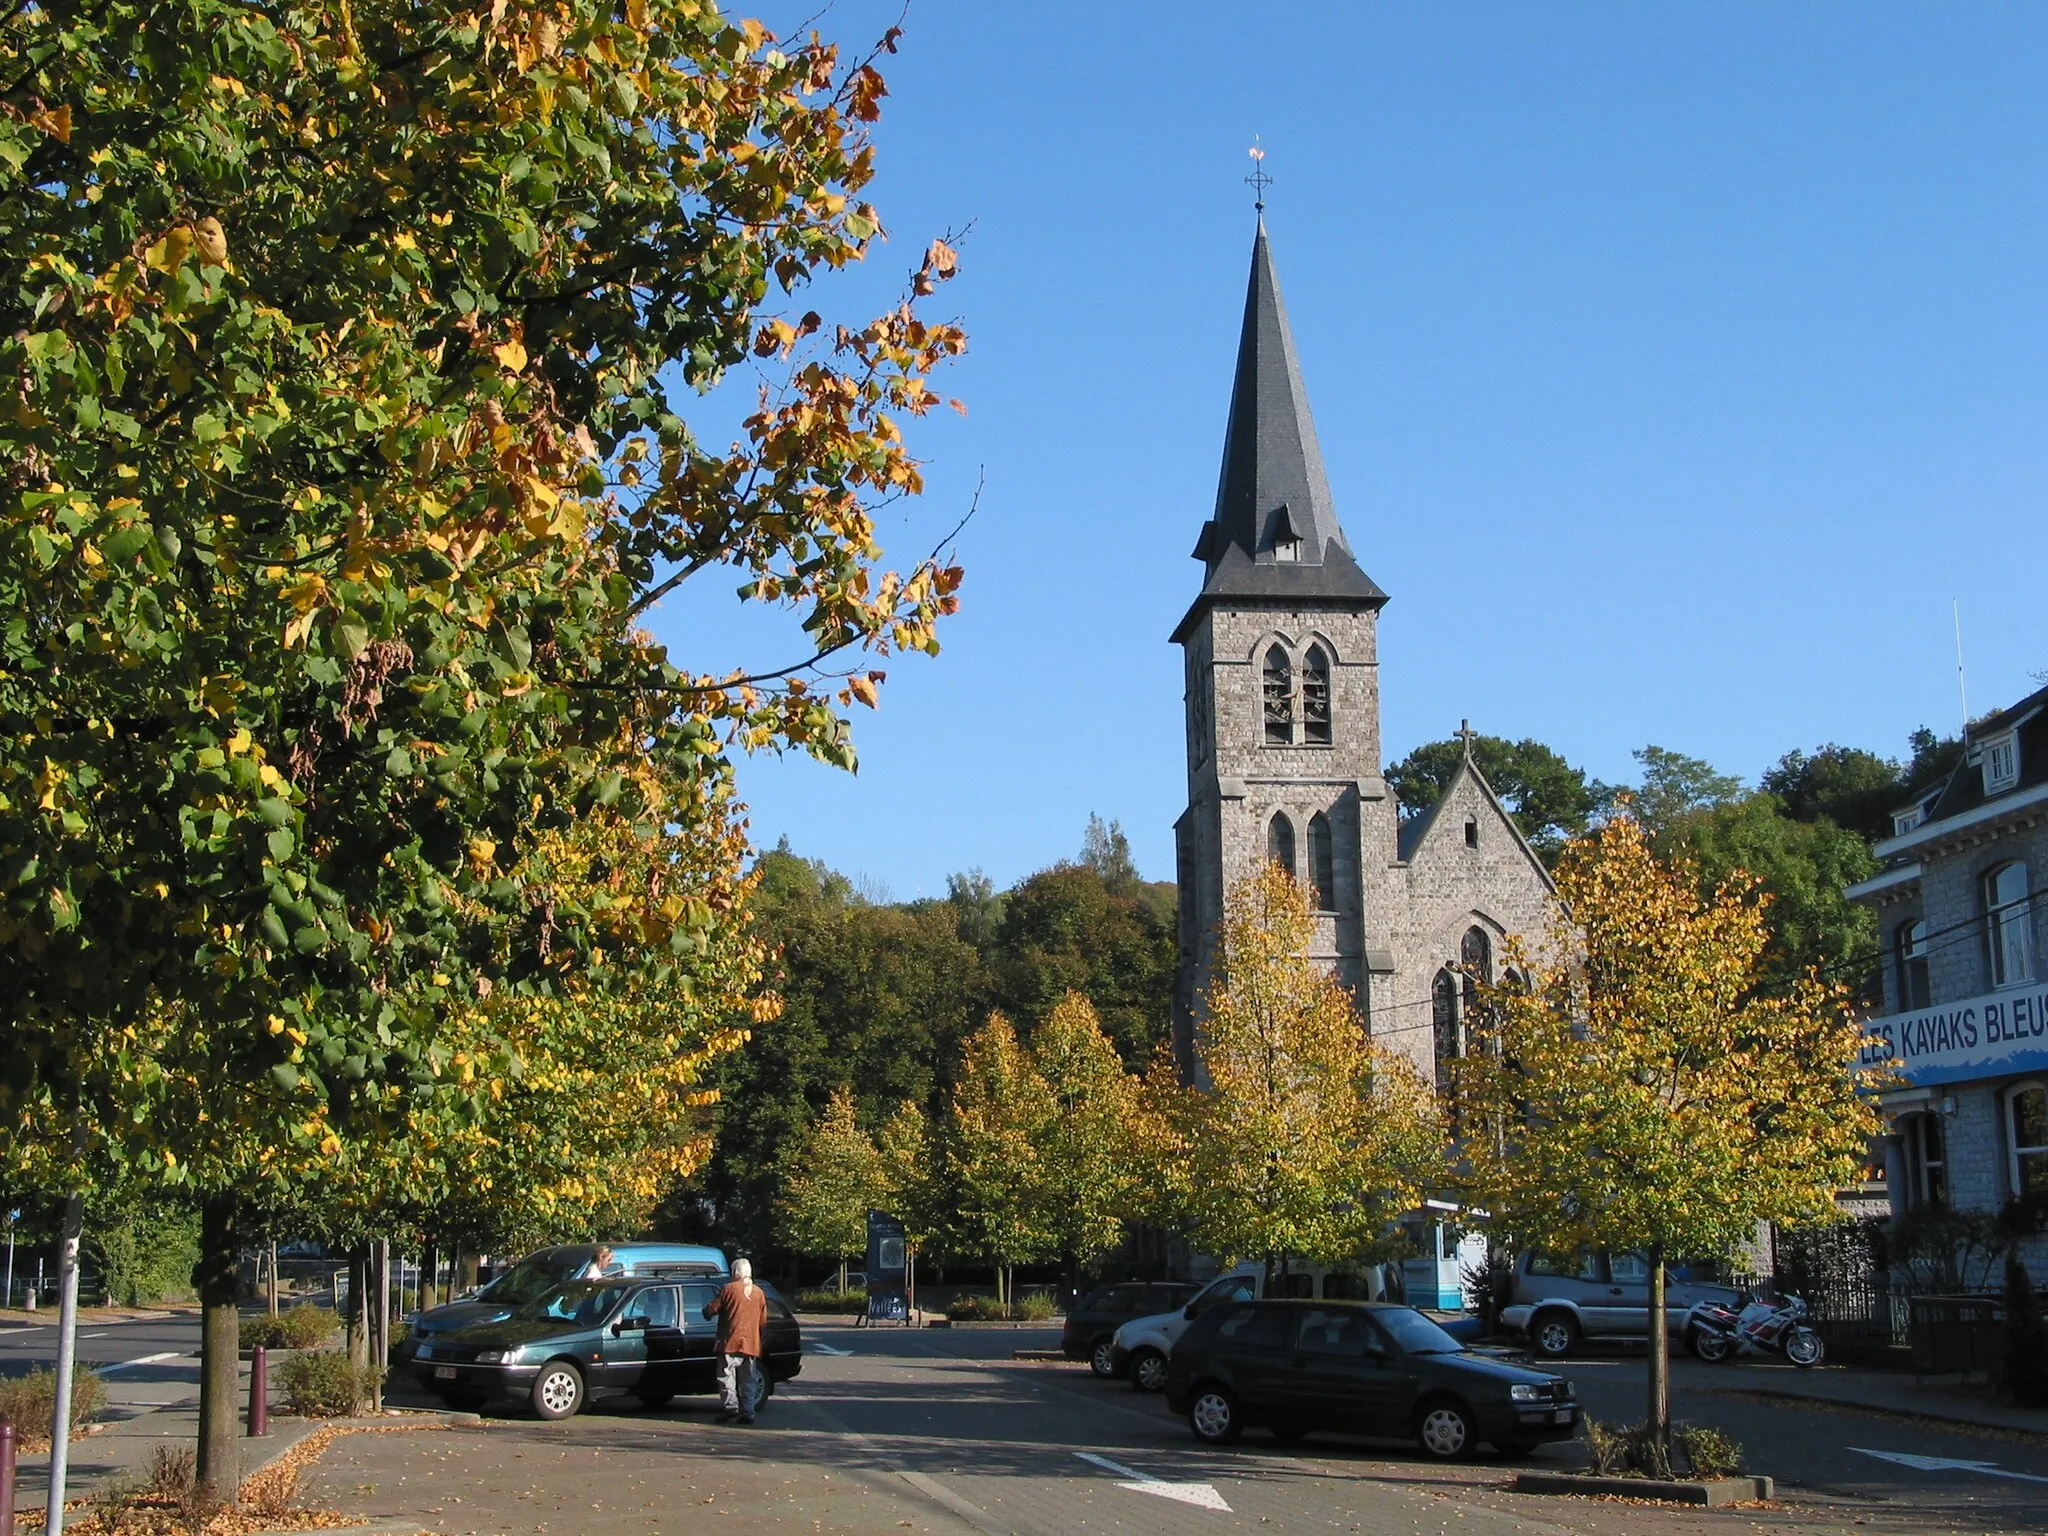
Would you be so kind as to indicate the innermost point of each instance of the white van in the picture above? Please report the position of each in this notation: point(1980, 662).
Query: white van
point(1140, 1347)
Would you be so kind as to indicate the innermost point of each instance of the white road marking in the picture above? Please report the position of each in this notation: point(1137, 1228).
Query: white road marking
point(1201, 1495)
point(31, 1328)
point(122, 1365)
point(100, 1335)
point(1947, 1464)
point(826, 1349)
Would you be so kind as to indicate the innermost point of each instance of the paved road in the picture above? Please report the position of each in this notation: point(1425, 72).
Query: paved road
point(25, 1346)
point(941, 1431)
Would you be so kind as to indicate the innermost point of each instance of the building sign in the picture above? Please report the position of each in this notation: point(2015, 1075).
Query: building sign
point(1995, 1035)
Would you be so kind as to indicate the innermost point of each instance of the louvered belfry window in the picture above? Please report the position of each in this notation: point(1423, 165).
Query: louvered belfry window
point(1315, 697)
point(1279, 697)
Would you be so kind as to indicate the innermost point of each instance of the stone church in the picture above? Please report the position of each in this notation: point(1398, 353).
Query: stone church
point(1283, 728)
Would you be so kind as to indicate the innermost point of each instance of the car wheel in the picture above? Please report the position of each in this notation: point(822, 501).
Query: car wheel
point(1213, 1416)
point(557, 1390)
point(1148, 1371)
point(1554, 1335)
point(655, 1401)
point(1804, 1348)
point(1102, 1358)
point(1710, 1345)
point(1444, 1429)
point(1289, 1434)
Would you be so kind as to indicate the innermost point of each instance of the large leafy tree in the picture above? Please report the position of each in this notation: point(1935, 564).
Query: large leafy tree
point(1069, 929)
point(1854, 789)
point(1088, 1151)
point(1306, 1139)
point(1549, 798)
point(831, 1177)
point(342, 469)
point(993, 1145)
point(1648, 1087)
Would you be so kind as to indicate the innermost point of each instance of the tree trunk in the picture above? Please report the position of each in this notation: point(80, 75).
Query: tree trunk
point(1660, 1362)
point(465, 1275)
point(359, 1306)
point(219, 1350)
point(430, 1276)
point(273, 1280)
point(380, 1329)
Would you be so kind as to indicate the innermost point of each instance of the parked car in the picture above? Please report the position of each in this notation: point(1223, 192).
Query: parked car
point(543, 1270)
point(1557, 1302)
point(1362, 1368)
point(585, 1339)
point(1092, 1323)
point(1139, 1349)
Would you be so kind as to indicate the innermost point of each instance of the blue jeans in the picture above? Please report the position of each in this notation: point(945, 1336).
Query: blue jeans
point(739, 1384)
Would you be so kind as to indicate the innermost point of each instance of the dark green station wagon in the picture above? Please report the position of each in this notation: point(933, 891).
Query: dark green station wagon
point(592, 1338)
point(1359, 1368)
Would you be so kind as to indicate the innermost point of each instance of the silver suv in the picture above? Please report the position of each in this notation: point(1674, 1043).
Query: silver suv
point(1559, 1301)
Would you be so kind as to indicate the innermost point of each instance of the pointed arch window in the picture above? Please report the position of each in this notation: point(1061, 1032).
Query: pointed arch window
point(1279, 697)
point(1315, 697)
point(1443, 1003)
point(1280, 843)
point(1322, 863)
point(1475, 960)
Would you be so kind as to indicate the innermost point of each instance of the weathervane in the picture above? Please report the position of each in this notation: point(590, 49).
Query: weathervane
point(1258, 181)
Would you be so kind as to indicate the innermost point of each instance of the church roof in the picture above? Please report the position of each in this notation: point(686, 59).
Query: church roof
point(1273, 488)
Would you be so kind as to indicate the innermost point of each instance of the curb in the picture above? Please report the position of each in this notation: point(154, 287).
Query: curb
point(1844, 1405)
point(373, 1528)
point(1711, 1492)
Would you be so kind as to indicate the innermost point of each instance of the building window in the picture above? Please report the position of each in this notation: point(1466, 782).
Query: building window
point(1909, 941)
point(2027, 1137)
point(1315, 697)
point(1905, 821)
point(1279, 695)
point(1280, 842)
point(1443, 998)
point(1322, 863)
point(1475, 960)
point(1926, 1161)
point(1471, 831)
point(2001, 762)
point(1198, 714)
point(2008, 925)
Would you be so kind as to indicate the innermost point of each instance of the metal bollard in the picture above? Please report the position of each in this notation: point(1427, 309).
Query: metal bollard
point(259, 1394)
point(6, 1478)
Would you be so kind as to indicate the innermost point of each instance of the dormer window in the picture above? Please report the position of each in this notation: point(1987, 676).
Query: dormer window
point(1286, 542)
point(1906, 820)
point(2001, 763)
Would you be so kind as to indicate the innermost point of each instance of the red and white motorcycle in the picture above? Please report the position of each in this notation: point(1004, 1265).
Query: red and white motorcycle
point(1716, 1331)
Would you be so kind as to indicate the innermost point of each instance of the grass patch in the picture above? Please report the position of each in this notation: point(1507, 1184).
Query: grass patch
point(1631, 1450)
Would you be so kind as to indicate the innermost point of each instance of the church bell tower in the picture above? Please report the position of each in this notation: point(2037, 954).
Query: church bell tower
point(1282, 678)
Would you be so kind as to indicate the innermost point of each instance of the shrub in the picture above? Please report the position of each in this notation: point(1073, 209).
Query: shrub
point(2024, 1372)
point(29, 1402)
point(293, 1328)
point(1708, 1452)
point(1038, 1307)
point(326, 1384)
point(855, 1302)
point(1035, 1308)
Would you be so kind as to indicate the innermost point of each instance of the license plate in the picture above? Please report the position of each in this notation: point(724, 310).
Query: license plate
point(1562, 1416)
point(447, 1373)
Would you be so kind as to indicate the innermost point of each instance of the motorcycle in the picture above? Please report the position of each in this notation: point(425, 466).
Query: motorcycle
point(1716, 1331)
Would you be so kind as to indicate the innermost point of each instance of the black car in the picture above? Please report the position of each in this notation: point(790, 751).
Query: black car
point(592, 1338)
point(1361, 1368)
point(1094, 1320)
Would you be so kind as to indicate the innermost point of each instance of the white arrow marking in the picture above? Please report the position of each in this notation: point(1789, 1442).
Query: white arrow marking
point(1947, 1464)
point(827, 1349)
point(1201, 1495)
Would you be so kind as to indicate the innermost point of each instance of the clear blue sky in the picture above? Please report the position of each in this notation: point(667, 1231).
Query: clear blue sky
point(1675, 366)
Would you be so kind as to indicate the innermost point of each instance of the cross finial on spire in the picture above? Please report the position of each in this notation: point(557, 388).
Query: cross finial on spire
point(1465, 735)
point(1258, 181)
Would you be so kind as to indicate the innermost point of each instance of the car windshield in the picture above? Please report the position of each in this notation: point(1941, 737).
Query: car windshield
point(584, 1302)
point(529, 1279)
point(1416, 1334)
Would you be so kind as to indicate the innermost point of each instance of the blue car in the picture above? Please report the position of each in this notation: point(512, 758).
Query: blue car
point(544, 1269)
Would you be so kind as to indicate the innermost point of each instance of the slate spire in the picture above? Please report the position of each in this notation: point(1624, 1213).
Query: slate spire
point(1275, 532)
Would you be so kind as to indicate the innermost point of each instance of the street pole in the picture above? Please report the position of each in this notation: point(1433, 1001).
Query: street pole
point(7, 1296)
point(67, 1341)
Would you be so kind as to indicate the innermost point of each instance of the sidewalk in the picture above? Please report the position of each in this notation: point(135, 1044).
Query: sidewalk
point(1848, 1386)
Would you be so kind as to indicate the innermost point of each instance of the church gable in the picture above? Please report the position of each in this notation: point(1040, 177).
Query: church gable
point(1470, 830)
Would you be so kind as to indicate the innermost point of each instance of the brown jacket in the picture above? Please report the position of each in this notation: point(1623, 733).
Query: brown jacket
point(740, 1316)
